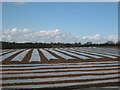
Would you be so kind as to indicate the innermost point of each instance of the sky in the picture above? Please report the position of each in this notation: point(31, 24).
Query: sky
point(59, 21)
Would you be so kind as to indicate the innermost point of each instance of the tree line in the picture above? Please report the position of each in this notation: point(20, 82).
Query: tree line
point(14, 45)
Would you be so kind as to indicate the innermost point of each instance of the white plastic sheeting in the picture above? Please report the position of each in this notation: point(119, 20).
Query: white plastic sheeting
point(79, 56)
point(20, 56)
point(45, 70)
point(61, 63)
point(63, 84)
point(9, 54)
point(61, 66)
point(92, 52)
point(105, 55)
point(35, 56)
point(47, 55)
point(59, 79)
point(7, 51)
point(58, 73)
point(60, 54)
point(85, 54)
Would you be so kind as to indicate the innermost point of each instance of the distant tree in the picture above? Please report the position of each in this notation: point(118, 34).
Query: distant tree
point(79, 43)
point(14, 45)
point(110, 42)
point(88, 43)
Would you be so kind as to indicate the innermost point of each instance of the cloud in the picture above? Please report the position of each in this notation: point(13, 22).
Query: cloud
point(48, 36)
point(99, 38)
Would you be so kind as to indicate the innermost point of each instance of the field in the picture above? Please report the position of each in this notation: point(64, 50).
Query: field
point(77, 67)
